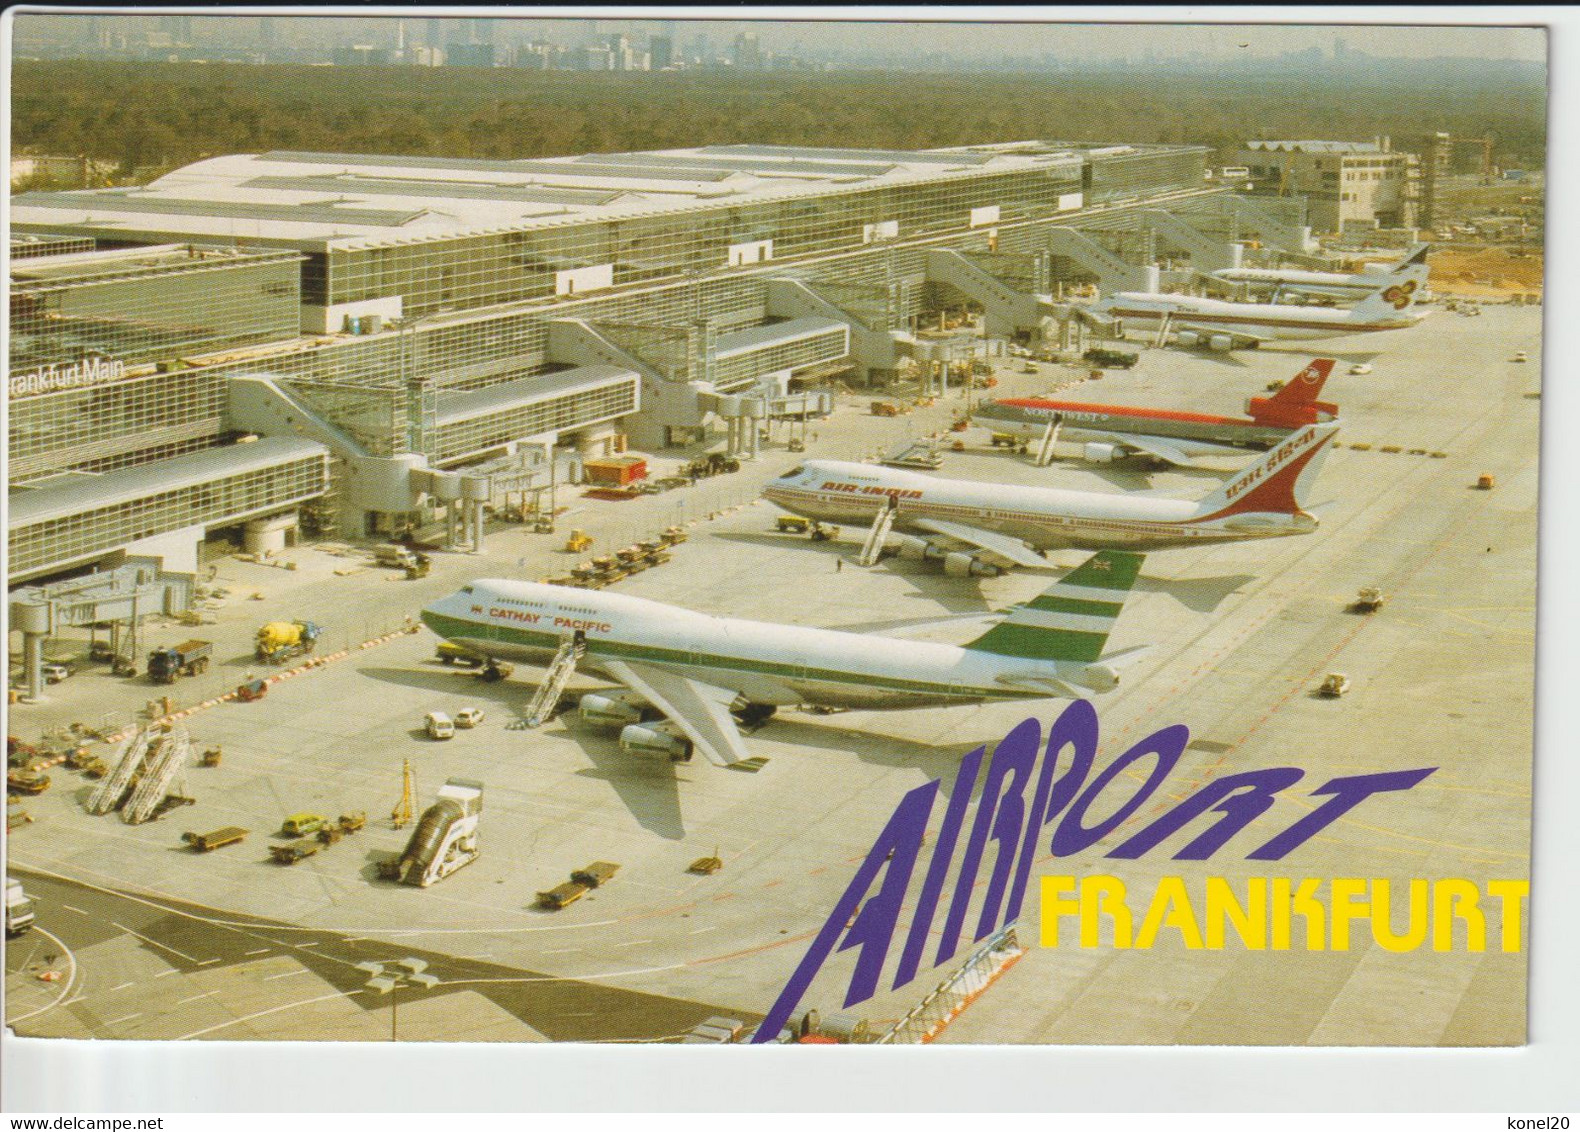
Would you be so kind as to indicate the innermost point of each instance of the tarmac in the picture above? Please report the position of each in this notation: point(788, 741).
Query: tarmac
point(153, 941)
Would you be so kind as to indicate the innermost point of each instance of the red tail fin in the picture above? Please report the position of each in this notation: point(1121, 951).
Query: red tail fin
point(1296, 404)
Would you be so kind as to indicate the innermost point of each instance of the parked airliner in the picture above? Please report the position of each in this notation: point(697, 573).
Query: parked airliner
point(702, 672)
point(981, 528)
point(1218, 325)
point(1331, 284)
point(1113, 432)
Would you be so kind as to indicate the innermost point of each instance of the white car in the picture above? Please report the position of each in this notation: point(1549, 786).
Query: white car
point(55, 673)
point(1360, 368)
point(469, 717)
point(438, 725)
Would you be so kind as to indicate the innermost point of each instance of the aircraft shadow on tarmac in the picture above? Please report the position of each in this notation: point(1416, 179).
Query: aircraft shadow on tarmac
point(1202, 595)
point(651, 788)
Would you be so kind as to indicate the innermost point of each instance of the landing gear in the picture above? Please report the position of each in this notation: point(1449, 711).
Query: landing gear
point(755, 715)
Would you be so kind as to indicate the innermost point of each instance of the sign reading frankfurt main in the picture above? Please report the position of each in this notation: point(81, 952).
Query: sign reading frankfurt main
point(53, 378)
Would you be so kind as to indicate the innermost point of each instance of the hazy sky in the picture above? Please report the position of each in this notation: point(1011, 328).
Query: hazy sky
point(927, 31)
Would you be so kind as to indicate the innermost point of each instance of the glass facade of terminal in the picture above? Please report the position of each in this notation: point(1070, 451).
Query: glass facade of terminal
point(478, 312)
point(475, 271)
point(116, 424)
point(224, 499)
point(164, 306)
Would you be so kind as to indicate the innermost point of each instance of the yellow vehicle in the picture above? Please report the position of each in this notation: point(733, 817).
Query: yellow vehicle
point(561, 895)
point(792, 524)
point(579, 541)
point(300, 825)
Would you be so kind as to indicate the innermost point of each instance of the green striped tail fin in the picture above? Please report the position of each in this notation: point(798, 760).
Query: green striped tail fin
point(1070, 620)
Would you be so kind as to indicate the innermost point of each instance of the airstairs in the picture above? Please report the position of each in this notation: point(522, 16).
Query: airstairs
point(878, 535)
point(113, 787)
point(166, 761)
point(561, 669)
point(1050, 437)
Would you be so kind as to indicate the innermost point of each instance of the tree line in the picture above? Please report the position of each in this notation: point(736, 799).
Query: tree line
point(154, 116)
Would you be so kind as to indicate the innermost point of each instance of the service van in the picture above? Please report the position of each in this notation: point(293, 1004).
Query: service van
point(439, 725)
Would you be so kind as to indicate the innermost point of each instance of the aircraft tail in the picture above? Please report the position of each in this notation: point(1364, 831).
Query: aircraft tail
point(1391, 299)
point(1071, 619)
point(1278, 483)
point(1296, 403)
point(1415, 257)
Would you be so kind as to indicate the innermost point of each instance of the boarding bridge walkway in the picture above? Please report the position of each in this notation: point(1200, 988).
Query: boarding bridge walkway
point(1250, 216)
point(1206, 253)
point(870, 349)
point(1006, 310)
point(1113, 273)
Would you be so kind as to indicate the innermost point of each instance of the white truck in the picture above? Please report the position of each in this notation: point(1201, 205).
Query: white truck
point(18, 908)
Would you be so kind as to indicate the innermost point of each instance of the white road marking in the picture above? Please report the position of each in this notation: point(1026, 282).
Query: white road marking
point(153, 942)
point(65, 990)
point(206, 962)
point(562, 950)
point(123, 986)
point(699, 931)
point(195, 997)
point(286, 974)
point(261, 1013)
point(128, 1018)
point(167, 974)
point(69, 908)
point(260, 951)
point(634, 943)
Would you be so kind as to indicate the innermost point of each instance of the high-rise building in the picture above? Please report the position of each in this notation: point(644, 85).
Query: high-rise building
point(748, 55)
point(660, 52)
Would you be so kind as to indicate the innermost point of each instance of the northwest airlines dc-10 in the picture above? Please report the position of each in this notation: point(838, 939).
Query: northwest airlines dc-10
point(1218, 325)
point(1330, 284)
point(982, 528)
point(705, 675)
point(1112, 432)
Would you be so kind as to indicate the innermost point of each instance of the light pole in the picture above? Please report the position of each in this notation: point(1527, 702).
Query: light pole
point(388, 978)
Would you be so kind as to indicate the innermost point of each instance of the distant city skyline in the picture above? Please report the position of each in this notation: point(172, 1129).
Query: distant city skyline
point(936, 35)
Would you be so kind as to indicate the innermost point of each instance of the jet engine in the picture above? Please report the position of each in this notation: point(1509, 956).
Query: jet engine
point(1189, 338)
point(1099, 677)
point(916, 549)
point(958, 564)
point(613, 709)
point(1103, 453)
point(656, 741)
point(1220, 342)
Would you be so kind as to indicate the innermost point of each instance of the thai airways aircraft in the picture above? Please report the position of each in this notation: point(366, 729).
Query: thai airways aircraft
point(1227, 326)
point(983, 528)
point(705, 675)
point(1113, 432)
point(1331, 284)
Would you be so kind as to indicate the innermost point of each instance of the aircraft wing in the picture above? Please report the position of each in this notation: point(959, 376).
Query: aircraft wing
point(1160, 449)
point(702, 711)
point(1208, 331)
point(1011, 550)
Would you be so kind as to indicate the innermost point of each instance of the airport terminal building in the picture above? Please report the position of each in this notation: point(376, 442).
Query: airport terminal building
point(343, 345)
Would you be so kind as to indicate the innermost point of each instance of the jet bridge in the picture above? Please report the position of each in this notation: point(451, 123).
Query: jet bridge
point(1207, 254)
point(1006, 309)
point(1112, 272)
